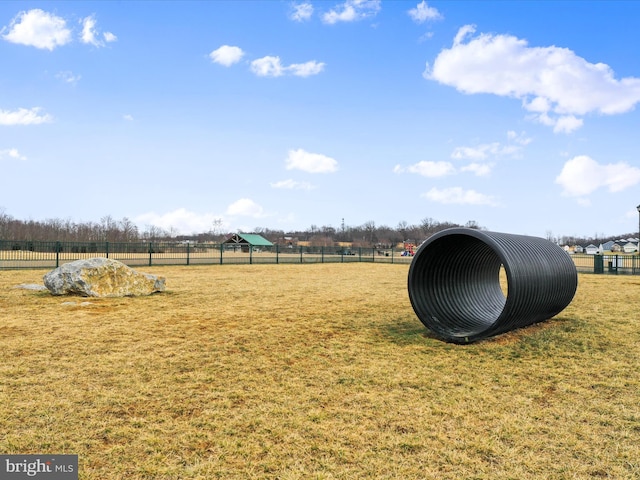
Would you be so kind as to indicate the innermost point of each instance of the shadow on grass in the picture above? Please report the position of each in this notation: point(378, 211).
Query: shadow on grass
point(409, 331)
point(539, 336)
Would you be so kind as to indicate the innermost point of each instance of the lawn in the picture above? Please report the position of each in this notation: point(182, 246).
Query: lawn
point(315, 371)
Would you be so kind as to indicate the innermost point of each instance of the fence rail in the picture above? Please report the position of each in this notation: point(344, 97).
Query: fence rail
point(26, 254)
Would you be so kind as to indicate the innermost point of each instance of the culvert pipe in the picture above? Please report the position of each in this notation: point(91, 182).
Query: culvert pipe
point(455, 283)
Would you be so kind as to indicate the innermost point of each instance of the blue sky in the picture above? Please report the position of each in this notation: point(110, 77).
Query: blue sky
point(521, 116)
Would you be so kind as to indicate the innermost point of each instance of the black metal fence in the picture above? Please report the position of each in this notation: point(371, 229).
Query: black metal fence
point(24, 254)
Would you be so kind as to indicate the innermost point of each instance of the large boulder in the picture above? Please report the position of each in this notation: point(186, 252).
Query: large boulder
point(101, 277)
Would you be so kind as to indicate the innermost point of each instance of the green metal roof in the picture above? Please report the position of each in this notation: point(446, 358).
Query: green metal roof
point(249, 238)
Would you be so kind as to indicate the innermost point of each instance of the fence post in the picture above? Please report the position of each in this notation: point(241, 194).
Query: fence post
point(598, 264)
point(322, 254)
point(57, 254)
point(150, 250)
point(277, 254)
point(250, 254)
point(106, 248)
point(221, 247)
point(187, 253)
point(300, 254)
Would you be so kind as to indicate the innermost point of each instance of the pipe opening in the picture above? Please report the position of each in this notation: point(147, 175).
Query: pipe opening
point(460, 287)
point(466, 284)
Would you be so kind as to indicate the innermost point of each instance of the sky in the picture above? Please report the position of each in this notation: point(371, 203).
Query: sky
point(521, 116)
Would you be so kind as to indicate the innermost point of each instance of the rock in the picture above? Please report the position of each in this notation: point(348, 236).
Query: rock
point(101, 277)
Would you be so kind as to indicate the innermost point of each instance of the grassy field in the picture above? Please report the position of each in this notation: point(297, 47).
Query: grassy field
point(315, 371)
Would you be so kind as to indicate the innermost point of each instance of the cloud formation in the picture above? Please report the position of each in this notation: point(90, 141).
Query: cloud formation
point(301, 12)
point(310, 162)
point(37, 28)
point(11, 154)
point(427, 169)
point(291, 184)
point(556, 86)
point(442, 169)
point(226, 55)
point(271, 66)
point(67, 76)
point(423, 12)
point(352, 11)
point(180, 220)
point(459, 196)
point(245, 207)
point(24, 116)
point(582, 176)
point(90, 34)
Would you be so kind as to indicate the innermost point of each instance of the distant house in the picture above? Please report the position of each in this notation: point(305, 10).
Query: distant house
point(247, 240)
point(591, 249)
point(289, 241)
point(630, 247)
point(608, 246)
point(578, 249)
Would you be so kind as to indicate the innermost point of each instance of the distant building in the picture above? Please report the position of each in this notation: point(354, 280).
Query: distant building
point(247, 240)
point(591, 249)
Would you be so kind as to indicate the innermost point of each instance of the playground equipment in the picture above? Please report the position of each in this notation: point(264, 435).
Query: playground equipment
point(409, 249)
point(454, 283)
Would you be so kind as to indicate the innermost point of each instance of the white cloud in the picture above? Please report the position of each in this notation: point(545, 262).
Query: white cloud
point(428, 169)
point(127, 117)
point(457, 195)
point(422, 12)
point(480, 169)
point(291, 184)
point(37, 28)
point(495, 149)
point(22, 116)
point(567, 124)
point(68, 77)
point(301, 12)
point(310, 162)
point(441, 169)
point(352, 10)
point(271, 66)
point(267, 67)
point(109, 37)
point(11, 154)
point(90, 34)
point(582, 175)
point(483, 151)
point(245, 207)
point(305, 69)
point(88, 31)
point(554, 84)
point(227, 55)
point(181, 220)
point(519, 138)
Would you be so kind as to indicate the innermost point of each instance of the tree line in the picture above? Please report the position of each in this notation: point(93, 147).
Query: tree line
point(109, 229)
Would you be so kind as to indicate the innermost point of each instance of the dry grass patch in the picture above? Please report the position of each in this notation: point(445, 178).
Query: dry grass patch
point(315, 371)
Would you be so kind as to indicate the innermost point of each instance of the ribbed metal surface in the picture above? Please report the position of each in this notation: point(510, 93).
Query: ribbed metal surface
point(454, 283)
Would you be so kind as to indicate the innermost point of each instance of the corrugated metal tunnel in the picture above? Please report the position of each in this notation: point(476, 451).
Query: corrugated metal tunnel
point(455, 289)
